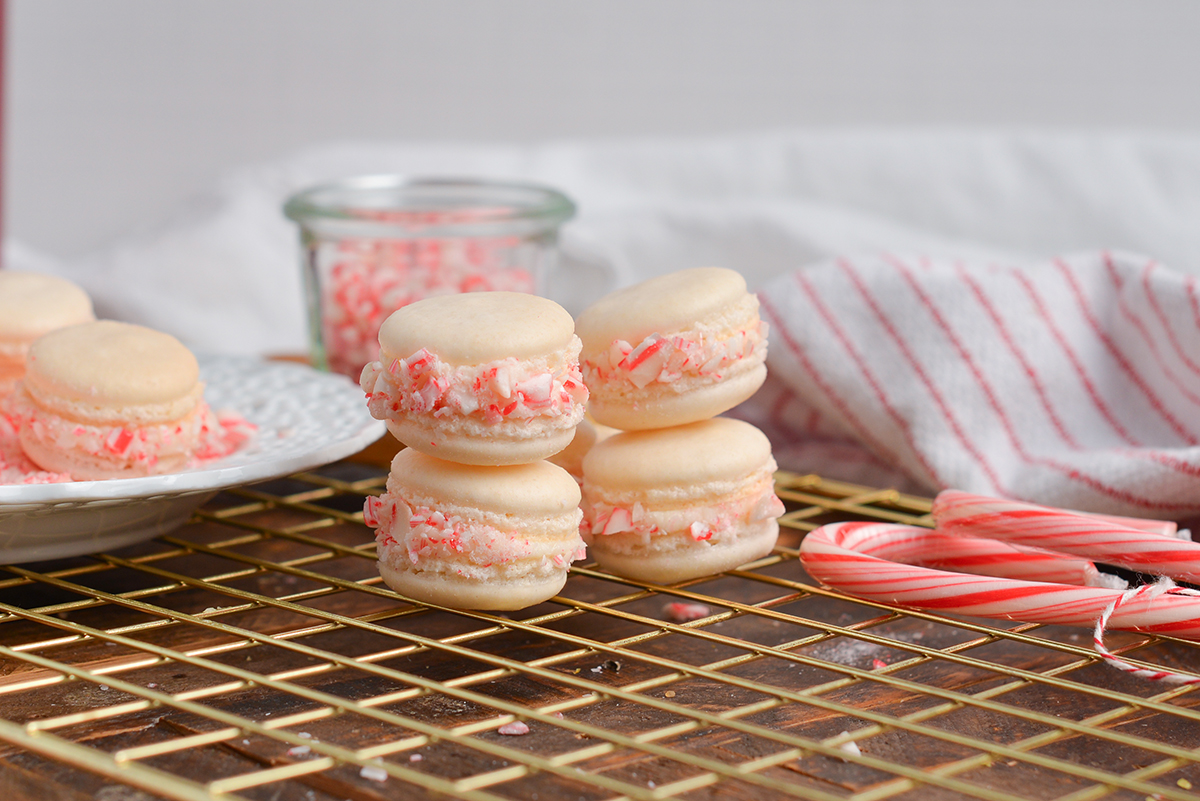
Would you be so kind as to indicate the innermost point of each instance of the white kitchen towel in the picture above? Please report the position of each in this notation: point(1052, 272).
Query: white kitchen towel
point(1073, 382)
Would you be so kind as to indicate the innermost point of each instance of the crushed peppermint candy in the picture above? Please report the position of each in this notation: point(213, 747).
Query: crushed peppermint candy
point(679, 612)
point(850, 747)
point(204, 435)
point(423, 384)
point(702, 523)
point(423, 533)
point(373, 773)
point(364, 280)
point(666, 359)
point(514, 729)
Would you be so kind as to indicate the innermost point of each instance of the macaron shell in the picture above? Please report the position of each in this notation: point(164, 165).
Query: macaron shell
point(478, 327)
point(32, 304)
point(111, 364)
point(534, 489)
point(720, 449)
point(666, 406)
point(480, 444)
point(455, 593)
point(665, 304)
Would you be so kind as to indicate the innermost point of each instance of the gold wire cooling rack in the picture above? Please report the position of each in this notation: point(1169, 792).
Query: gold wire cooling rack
point(254, 654)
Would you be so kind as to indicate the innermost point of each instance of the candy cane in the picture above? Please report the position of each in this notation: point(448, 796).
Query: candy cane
point(1093, 537)
point(856, 558)
point(991, 558)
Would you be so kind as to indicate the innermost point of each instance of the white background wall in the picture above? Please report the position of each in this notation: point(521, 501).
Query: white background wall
point(118, 111)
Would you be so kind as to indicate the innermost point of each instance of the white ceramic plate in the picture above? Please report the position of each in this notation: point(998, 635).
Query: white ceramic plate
point(305, 419)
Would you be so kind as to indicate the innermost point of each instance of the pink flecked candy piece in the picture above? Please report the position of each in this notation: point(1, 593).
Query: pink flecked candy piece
point(678, 612)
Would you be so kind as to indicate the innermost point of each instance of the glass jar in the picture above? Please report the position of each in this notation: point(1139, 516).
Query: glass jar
point(373, 244)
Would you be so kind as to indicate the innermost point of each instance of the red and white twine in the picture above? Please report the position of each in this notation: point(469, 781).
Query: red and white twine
point(1148, 592)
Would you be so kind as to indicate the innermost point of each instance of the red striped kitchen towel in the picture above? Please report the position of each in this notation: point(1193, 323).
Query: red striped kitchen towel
point(1074, 382)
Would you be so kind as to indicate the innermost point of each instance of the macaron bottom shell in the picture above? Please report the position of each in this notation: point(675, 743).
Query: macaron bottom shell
point(627, 408)
point(676, 556)
point(442, 589)
point(533, 440)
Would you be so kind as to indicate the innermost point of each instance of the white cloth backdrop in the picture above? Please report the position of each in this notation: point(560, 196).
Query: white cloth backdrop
point(223, 275)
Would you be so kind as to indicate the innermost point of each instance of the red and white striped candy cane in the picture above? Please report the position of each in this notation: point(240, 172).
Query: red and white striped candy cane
point(857, 558)
point(931, 548)
point(1137, 545)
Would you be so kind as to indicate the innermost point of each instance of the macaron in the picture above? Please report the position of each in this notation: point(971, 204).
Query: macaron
point(675, 349)
point(486, 378)
point(32, 304)
point(475, 537)
point(111, 400)
point(677, 503)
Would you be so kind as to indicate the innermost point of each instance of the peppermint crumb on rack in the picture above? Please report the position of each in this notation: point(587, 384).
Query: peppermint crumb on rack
point(678, 612)
point(514, 729)
point(374, 773)
point(850, 747)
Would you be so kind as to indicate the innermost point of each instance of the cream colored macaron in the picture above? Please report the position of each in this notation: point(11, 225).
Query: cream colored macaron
point(32, 305)
point(675, 349)
point(108, 400)
point(475, 537)
point(485, 378)
point(677, 503)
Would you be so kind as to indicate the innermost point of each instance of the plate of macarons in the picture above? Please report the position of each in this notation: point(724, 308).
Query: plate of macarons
point(122, 433)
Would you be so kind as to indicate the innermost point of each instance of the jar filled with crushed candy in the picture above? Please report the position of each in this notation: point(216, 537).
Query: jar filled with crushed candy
point(373, 244)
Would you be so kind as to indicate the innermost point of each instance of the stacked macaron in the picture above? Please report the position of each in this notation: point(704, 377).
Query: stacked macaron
point(680, 493)
point(482, 388)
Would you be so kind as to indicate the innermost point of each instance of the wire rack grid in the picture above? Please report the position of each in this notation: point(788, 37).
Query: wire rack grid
point(255, 654)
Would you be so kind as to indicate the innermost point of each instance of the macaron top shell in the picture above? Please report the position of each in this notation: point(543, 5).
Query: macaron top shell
point(696, 454)
point(32, 304)
point(478, 327)
point(537, 488)
point(666, 304)
point(107, 364)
